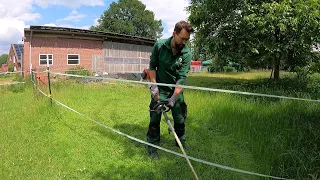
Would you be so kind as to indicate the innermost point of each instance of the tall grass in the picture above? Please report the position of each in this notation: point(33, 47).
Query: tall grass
point(282, 136)
point(6, 78)
point(264, 135)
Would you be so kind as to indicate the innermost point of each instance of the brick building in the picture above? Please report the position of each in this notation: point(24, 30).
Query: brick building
point(15, 58)
point(96, 51)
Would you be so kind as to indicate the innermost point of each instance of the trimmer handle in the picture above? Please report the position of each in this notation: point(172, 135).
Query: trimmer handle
point(161, 106)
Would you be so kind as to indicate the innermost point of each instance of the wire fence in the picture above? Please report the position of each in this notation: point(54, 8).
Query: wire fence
point(10, 76)
point(149, 144)
point(160, 84)
point(191, 87)
point(9, 73)
point(11, 83)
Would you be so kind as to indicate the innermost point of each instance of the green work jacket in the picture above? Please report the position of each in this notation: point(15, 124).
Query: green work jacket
point(169, 69)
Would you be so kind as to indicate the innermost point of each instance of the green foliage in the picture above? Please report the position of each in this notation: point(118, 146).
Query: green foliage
point(217, 65)
point(18, 77)
point(315, 67)
point(78, 70)
point(17, 88)
point(130, 17)
point(10, 68)
point(3, 59)
point(303, 78)
point(229, 69)
point(262, 34)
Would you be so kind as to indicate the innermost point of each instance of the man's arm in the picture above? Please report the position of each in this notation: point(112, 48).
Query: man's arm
point(153, 65)
point(177, 90)
point(153, 76)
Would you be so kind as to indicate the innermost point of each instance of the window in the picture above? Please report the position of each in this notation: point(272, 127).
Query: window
point(73, 59)
point(43, 58)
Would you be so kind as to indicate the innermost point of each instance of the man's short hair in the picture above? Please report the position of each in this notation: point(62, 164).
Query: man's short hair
point(183, 25)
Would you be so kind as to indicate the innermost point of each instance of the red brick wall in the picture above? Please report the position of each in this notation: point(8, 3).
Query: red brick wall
point(59, 48)
point(26, 60)
point(4, 68)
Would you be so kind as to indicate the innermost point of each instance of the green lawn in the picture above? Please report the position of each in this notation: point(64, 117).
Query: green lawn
point(263, 135)
point(4, 78)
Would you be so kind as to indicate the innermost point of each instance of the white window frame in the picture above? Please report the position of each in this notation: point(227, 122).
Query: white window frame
point(46, 59)
point(73, 59)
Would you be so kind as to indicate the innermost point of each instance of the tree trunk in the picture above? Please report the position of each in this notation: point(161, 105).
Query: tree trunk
point(271, 73)
point(276, 73)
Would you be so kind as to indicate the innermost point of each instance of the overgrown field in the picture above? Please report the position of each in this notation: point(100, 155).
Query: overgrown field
point(264, 135)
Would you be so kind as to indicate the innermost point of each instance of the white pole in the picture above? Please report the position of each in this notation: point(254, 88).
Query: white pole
point(30, 52)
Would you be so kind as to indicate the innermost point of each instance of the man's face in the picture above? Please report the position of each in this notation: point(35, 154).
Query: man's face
point(181, 39)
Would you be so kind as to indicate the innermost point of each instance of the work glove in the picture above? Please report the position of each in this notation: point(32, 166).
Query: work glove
point(171, 101)
point(154, 91)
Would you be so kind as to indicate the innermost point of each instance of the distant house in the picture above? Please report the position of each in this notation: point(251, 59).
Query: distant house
point(99, 52)
point(15, 58)
point(4, 67)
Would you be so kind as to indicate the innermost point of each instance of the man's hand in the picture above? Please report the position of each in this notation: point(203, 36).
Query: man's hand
point(154, 91)
point(171, 101)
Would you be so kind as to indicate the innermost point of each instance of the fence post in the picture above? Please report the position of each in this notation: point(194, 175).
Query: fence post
point(35, 78)
point(32, 78)
point(49, 84)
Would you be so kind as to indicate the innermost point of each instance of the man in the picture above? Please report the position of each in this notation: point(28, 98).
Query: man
point(170, 64)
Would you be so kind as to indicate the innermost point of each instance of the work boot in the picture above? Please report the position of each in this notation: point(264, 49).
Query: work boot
point(153, 153)
point(153, 137)
point(183, 142)
point(180, 130)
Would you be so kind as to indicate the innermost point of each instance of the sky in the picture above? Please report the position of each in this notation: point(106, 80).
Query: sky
point(15, 15)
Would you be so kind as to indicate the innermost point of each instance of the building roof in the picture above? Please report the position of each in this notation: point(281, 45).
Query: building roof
point(107, 36)
point(18, 50)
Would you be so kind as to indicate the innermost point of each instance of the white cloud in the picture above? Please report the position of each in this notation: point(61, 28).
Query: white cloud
point(13, 15)
point(95, 21)
point(73, 16)
point(10, 34)
point(18, 10)
point(50, 24)
point(70, 3)
point(71, 26)
point(169, 11)
point(66, 26)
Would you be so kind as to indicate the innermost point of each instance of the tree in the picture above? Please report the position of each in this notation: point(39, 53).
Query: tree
point(130, 17)
point(3, 59)
point(277, 34)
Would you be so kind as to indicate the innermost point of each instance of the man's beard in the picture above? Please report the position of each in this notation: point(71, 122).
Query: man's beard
point(179, 47)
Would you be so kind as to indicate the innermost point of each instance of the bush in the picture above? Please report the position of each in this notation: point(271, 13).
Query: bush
point(215, 67)
point(303, 76)
point(211, 69)
point(229, 69)
point(16, 88)
point(10, 68)
point(315, 67)
point(303, 73)
point(18, 77)
point(78, 70)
